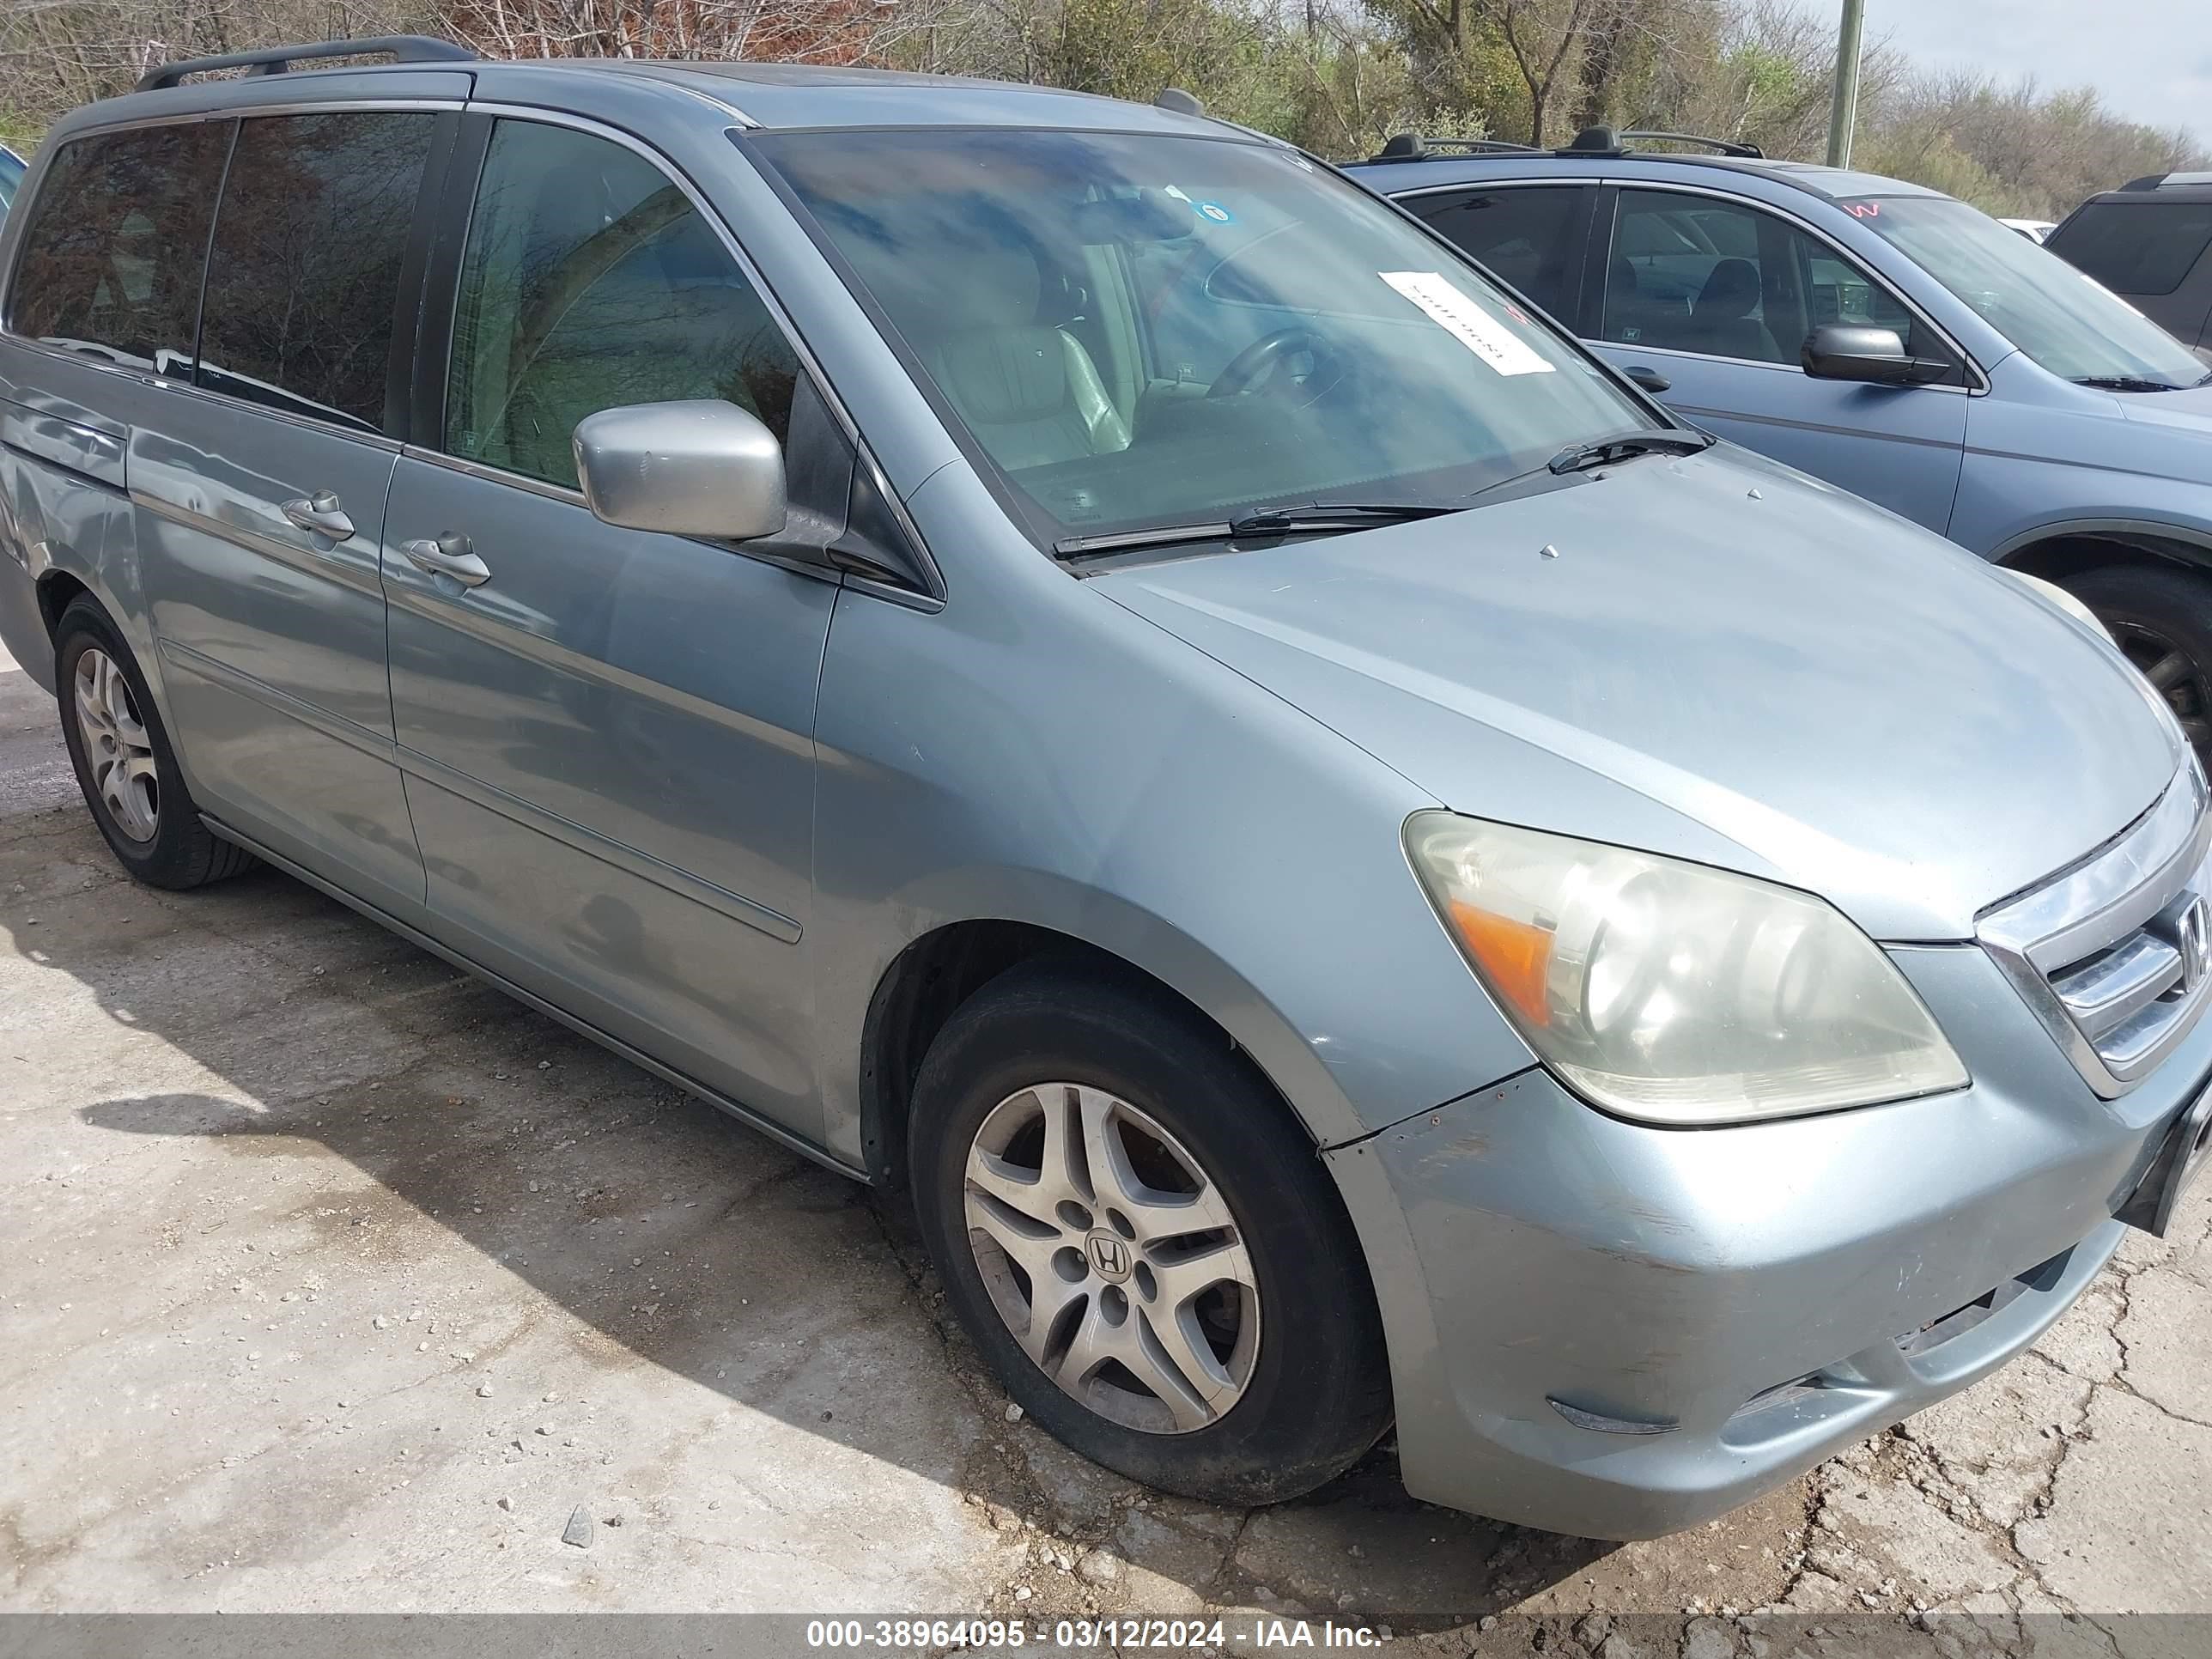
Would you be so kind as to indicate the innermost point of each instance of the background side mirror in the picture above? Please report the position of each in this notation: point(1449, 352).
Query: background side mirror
point(1855, 351)
point(700, 467)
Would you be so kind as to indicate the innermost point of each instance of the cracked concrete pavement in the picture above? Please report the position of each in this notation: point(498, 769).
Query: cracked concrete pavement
point(338, 1281)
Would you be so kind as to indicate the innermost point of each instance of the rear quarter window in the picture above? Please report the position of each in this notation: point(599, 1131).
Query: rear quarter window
point(111, 254)
point(2136, 247)
point(303, 279)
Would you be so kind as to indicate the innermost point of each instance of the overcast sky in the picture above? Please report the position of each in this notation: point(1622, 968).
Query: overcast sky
point(2152, 59)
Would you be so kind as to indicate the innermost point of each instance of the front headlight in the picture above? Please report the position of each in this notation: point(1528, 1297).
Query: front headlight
point(1673, 993)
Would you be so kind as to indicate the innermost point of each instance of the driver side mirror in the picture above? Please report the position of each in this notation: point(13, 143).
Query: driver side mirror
point(700, 467)
point(1858, 351)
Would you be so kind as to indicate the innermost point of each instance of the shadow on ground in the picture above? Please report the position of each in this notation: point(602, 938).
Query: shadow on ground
point(656, 1229)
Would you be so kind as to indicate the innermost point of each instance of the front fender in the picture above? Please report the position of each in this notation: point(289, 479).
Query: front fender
point(2045, 460)
point(1033, 752)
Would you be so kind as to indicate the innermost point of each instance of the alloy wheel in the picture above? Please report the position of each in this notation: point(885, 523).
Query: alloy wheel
point(117, 751)
point(2174, 673)
point(1112, 1258)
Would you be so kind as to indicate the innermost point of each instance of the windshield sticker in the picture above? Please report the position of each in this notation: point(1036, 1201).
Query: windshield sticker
point(1863, 210)
point(1460, 316)
point(1213, 213)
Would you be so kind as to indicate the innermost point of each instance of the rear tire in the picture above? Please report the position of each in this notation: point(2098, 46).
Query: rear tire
point(2161, 617)
point(1176, 1292)
point(123, 763)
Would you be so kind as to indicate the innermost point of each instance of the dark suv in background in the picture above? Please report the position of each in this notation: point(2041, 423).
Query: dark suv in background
point(2150, 242)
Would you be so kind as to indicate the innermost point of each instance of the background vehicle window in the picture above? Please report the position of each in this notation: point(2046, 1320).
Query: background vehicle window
point(303, 279)
point(11, 177)
point(2136, 247)
point(1521, 234)
point(1844, 294)
point(112, 252)
point(589, 283)
point(2063, 319)
point(1691, 273)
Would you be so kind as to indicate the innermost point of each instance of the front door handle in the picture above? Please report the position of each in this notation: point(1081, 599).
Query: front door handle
point(447, 555)
point(319, 514)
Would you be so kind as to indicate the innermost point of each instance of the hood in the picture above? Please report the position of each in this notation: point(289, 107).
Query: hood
point(1717, 659)
point(2188, 410)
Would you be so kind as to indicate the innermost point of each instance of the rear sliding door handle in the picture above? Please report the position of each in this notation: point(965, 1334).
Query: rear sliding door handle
point(447, 555)
point(319, 514)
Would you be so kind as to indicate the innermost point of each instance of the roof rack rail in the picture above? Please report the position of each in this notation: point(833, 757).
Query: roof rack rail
point(2162, 181)
point(276, 60)
point(1718, 146)
point(1604, 141)
point(1413, 147)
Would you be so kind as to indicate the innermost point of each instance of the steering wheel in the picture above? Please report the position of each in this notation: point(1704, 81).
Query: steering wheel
point(1259, 360)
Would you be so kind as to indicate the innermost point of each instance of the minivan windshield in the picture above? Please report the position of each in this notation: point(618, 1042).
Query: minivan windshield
point(1142, 331)
point(2071, 325)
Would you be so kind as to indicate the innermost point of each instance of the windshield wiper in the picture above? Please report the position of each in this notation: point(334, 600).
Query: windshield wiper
point(1336, 515)
point(1576, 458)
point(2125, 383)
point(1312, 517)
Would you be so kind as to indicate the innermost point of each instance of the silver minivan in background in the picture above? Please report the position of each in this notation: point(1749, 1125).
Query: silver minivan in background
point(1058, 654)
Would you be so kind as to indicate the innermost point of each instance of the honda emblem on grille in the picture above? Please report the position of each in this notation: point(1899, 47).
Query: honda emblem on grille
point(2194, 937)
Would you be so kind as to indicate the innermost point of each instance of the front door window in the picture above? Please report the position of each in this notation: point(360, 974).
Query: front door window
point(1725, 279)
point(590, 283)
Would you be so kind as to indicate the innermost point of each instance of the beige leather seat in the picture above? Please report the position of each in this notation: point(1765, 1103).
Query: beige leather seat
point(1029, 391)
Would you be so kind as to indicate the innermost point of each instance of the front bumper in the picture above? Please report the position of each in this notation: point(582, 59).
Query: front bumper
point(1615, 1331)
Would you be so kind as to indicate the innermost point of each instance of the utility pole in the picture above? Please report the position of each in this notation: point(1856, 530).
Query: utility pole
point(1844, 113)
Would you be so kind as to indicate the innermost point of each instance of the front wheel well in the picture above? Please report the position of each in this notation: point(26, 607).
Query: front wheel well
point(2059, 558)
point(924, 987)
point(57, 589)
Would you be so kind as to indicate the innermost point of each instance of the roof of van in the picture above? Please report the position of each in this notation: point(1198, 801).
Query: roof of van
point(760, 94)
point(808, 94)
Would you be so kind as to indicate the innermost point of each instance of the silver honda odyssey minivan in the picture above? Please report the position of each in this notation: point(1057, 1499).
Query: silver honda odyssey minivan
point(1059, 655)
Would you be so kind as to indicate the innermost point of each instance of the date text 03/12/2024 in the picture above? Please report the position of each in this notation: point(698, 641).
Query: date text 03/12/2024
point(1080, 1635)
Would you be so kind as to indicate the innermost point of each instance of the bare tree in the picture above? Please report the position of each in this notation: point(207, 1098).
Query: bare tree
point(56, 54)
point(803, 31)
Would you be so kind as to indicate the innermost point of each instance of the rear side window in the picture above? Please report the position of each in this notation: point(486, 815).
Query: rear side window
point(2136, 247)
point(1523, 235)
point(303, 277)
point(589, 283)
point(113, 253)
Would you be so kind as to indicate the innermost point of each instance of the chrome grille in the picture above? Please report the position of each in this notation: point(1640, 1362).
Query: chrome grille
point(2115, 954)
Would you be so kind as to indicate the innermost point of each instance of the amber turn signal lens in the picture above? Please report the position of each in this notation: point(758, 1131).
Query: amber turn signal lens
point(1515, 957)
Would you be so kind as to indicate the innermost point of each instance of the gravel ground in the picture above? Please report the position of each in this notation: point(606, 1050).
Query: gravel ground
point(335, 1280)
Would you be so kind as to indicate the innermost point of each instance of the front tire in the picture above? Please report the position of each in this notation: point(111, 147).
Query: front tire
point(2161, 617)
point(1141, 1242)
point(123, 763)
